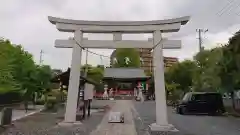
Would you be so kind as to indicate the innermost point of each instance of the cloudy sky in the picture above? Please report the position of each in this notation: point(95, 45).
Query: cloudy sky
point(25, 22)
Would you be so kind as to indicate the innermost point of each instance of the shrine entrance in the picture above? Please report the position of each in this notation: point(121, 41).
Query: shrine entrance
point(124, 81)
point(117, 28)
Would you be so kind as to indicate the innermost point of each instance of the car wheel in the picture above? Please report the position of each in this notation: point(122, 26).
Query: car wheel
point(178, 110)
point(183, 110)
point(219, 112)
point(212, 113)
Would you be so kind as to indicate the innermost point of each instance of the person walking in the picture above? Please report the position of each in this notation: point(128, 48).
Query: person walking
point(26, 105)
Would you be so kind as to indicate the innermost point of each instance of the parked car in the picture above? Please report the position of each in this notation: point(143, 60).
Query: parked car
point(201, 102)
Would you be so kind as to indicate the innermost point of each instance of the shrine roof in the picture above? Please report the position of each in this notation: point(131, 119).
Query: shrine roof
point(64, 78)
point(124, 73)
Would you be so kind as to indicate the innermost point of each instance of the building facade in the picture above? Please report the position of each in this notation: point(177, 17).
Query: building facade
point(169, 61)
point(147, 59)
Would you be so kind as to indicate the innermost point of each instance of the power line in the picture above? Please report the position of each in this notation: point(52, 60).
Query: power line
point(98, 54)
point(88, 50)
point(235, 6)
point(226, 7)
point(238, 13)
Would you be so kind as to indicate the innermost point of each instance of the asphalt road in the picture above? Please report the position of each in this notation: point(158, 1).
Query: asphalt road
point(191, 124)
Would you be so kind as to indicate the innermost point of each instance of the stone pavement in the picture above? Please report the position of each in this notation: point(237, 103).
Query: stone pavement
point(126, 128)
point(20, 113)
point(45, 123)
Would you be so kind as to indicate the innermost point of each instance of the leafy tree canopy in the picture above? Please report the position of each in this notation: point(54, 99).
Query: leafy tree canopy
point(206, 77)
point(18, 72)
point(130, 53)
point(181, 74)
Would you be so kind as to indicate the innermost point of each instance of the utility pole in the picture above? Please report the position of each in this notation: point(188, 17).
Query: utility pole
point(40, 60)
point(200, 41)
point(101, 60)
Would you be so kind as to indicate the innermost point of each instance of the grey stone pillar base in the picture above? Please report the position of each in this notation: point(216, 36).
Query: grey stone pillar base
point(169, 129)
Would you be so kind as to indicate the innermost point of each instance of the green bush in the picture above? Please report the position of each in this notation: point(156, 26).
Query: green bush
point(63, 96)
point(41, 101)
point(51, 102)
point(52, 98)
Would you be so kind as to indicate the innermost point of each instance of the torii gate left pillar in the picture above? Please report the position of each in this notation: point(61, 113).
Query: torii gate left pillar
point(75, 73)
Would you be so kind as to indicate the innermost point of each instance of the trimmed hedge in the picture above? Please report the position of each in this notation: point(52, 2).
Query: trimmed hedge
point(10, 98)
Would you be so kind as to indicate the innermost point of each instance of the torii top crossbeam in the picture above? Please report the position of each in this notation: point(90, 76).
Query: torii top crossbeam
point(169, 25)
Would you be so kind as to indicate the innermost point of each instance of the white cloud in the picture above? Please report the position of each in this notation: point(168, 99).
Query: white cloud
point(26, 23)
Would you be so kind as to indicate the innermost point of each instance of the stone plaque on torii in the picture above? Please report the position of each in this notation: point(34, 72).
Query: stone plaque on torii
point(157, 27)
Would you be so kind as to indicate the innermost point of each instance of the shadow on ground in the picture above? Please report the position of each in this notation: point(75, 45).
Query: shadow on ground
point(45, 123)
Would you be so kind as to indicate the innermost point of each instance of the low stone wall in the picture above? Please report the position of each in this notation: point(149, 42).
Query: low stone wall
point(228, 103)
point(15, 105)
point(10, 98)
point(101, 104)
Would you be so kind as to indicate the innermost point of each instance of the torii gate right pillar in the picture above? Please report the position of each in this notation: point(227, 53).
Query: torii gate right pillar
point(161, 126)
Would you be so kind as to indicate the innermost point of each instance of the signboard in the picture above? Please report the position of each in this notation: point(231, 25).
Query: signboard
point(143, 85)
point(115, 117)
point(88, 91)
point(237, 94)
point(81, 94)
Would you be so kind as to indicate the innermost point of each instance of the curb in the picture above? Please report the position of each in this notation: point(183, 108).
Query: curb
point(20, 117)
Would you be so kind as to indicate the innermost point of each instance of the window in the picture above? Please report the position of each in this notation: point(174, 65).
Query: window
point(186, 97)
point(206, 97)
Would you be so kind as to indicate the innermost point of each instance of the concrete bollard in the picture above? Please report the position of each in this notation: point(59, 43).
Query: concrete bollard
point(6, 116)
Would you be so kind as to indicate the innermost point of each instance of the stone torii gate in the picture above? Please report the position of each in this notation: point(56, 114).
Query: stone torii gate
point(117, 28)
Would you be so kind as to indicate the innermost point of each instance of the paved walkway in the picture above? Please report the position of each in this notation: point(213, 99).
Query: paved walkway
point(45, 123)
point(126, 128)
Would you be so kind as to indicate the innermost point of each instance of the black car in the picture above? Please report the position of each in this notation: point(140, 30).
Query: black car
point(201, 102)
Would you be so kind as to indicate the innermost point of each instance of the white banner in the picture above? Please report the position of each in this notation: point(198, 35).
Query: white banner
point(88, 91)
point(237, 94)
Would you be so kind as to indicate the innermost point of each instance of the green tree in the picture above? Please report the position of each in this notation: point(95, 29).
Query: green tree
point(230, 65)
point(130, 53)
point(19, 72)
point(86, 66)
point(7, 81)
point(96, 74)
point(172, 91)
point(206, 77)
point(44, 75)
point(100, 66)
point(56, 72)
point(180, 75)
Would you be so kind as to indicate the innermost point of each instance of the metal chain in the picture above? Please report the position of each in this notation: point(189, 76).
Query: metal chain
point(158, 43)
point(90, 51)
